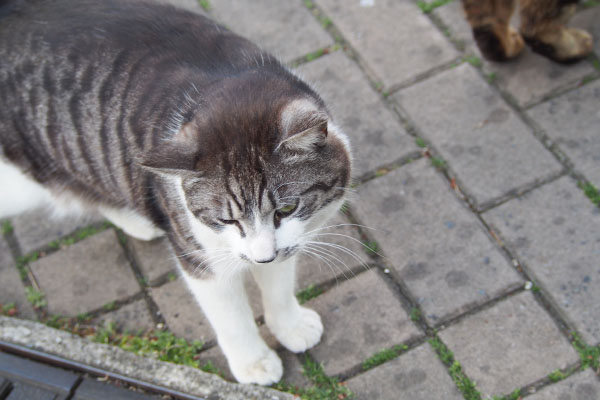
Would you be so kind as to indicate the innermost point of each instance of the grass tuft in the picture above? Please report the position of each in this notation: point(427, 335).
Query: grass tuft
point(7, 228)
point(205, 4)
point(383, 356)
point(591, 192)
point(428, 7)
point(35, 297)
point(589, 355)
point(308, 293)
point(474, 61)
point(421, 142)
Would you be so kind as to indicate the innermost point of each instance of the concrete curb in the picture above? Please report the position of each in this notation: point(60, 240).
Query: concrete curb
point(178, 377)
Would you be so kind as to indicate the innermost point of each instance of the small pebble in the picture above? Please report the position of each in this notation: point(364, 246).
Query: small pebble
point(528, 285)
point(160, 325)
point(386, 271)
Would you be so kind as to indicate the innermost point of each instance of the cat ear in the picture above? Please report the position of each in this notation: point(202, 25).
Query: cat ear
point(304, 126)
point(175, 156)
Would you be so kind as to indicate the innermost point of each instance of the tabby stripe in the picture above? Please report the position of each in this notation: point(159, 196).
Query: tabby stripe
point(124, 153)
point(76, 120)
point(261, 190)
point(52, 129)
point(233, 196)
point(107, 93)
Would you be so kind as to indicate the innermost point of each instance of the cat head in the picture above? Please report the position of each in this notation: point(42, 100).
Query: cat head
point(256, 174)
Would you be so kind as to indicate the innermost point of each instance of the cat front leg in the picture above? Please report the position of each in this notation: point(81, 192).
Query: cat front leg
point(297, 328)
point(225, 304)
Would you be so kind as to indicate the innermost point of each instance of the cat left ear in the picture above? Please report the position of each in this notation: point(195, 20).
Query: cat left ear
point(304, 127)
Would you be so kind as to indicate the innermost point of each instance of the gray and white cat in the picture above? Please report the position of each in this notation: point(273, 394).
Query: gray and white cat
point(168, 124)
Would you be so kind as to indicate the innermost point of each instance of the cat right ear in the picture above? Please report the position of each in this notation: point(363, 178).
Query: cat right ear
point(304, 126)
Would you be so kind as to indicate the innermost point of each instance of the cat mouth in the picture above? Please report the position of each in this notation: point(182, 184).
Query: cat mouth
point(282, 255)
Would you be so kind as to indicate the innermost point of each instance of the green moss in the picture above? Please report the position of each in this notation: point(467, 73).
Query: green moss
point(474, 60)
point(172, 276)
point(462, 382)
point(438, 163)
point(556, 376)
point(589, 355)
point(309, 293)
point(415, 314)
point(309, 4)
point(110, 306)
point(205, 4)
point(315, 54)
point(591, 192)
point(383, 356)
point(7, 228)
point(491, 77)
point(421, 142)
point(428, 7)
point(372, 247)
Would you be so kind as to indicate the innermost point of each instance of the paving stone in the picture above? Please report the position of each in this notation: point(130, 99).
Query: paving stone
point(376, 135)
point(181, 311)
point(554, 231)
point(12, 289)
point(155, 258)
point(588, 19)
point(486, 144)
point(341, 264)
point(285, 28)
point(416, 375)
point(37, 228)
point(85, 276)
point(453, 17)
point(361, 317)
point(572, 121)
point(438, 247)
point(512, 344)
point(396, 39)
point(133, 317)
point(581, 386)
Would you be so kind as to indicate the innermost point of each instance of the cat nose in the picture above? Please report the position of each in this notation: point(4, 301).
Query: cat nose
point(267, 261)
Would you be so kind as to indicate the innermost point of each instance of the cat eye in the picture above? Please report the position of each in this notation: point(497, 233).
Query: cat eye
point(286, 210)
point(228, 221)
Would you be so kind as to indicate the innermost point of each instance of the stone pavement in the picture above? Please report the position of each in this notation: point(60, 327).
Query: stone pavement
point(483, 276)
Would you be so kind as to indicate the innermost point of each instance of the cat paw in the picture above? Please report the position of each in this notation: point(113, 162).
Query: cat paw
point(302, 335)
point(266, 370)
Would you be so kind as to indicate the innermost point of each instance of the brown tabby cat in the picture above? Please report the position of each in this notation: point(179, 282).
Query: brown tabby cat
point(542, 28)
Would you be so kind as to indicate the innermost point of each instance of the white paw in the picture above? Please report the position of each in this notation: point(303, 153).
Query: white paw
point(266, 370)
point(302, 334)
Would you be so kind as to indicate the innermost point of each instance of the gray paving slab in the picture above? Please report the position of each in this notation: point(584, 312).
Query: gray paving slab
point(416, 375)
point(554, 231)
point(134, 317)
point(37, 228)
point(572, 121)
point(376, 135)
point(379, 30)
point(491, 150)
point(510, 345)
point(86, 275)
point(340, 264)
point(452, 17)
point(12, 289)
point(154, 258)
point(581, 386)
point(181, 311)
point(361, 317)
point(284, 28)
point(22, 391)
point(437, 247)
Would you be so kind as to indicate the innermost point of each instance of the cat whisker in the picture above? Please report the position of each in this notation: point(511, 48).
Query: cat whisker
point(344, 249)
point(321, 258)
point(338, 225)
point(319, 263)
point(334, 257)
point(346, 236)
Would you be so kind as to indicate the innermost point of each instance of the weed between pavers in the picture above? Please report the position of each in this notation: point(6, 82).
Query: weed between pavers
point(462, 382)
point(308, 293)
point(9, 309)
point(428, 7)
point(383, 356)
point(7, 228)
point(589, 355)
point(325, 387)
point(590, 191)
point(205, 4)
point(35, 297)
